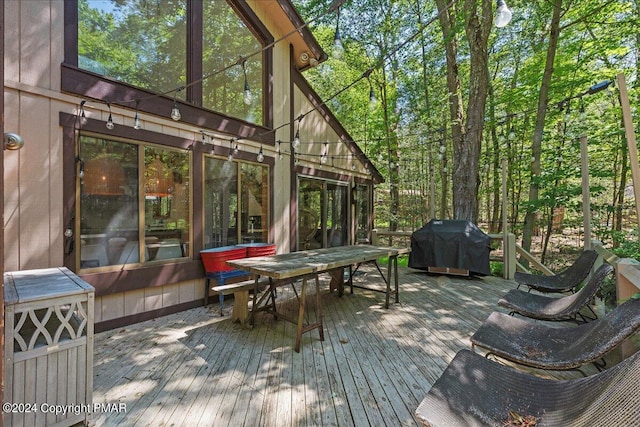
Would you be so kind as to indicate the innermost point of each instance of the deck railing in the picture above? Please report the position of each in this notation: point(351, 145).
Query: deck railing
point(628, 270)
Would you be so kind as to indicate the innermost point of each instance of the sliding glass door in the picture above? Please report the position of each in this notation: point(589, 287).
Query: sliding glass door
point(323, 213)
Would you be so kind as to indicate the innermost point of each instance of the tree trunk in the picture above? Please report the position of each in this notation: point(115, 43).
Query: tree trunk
point(536, 146)
point(467, 148)
point(447, 18)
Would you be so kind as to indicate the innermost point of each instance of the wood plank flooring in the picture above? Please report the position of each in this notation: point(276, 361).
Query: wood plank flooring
point(196, 368)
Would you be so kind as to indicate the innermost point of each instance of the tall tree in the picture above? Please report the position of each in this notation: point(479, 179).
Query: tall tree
point(467, 135)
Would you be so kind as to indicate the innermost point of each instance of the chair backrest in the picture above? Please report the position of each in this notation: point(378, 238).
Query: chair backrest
point(573, 303)
point(474, 390)
point(609, 398)
point(604, 334)
point(577, 272)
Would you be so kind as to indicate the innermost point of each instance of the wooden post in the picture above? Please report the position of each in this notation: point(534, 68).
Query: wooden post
point(631, 143)
point(627, 285)
point(508, 249)
point(586, 200)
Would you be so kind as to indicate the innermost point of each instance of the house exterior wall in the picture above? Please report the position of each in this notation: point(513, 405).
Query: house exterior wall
point(34, 177)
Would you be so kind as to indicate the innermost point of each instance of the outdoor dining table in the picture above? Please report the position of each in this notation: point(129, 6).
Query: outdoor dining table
point(307, 265)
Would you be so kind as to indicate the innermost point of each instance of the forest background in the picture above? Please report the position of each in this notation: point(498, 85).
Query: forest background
point(438, 98)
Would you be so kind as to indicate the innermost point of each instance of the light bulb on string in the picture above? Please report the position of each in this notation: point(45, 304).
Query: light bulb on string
point(230, 149)
point(296, 140)
point(110, 124)
point(136, 121)
point(338, 48)
point(324, 158)
point(83, 116)
point(247, 97)
point(260, 156)
point(583, 114)
point(175, 111)
point(373, 102)
point(503, 14)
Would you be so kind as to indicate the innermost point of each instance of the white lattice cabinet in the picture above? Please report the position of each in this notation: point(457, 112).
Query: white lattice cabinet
point(48, 348)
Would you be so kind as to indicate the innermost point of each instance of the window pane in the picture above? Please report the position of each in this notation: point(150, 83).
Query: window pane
point(220, 203)
point(310, 228)
point(226, 37)
point(140, 42)
point(108, 203)
point(337, 215)
point(255, 203)
point(362, 213)
point(166, 204)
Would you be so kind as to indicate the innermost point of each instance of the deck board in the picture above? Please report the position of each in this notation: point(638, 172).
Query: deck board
point(375, 365)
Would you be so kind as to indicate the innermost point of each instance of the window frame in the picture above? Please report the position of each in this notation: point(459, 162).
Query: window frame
point(141, 205)
point(94, 86)
point(238, 163)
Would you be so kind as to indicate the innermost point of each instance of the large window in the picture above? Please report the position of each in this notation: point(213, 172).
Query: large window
point(236, 203)
point(117, 225)
point(145, 43)
point(140, 42)
point(225, 39)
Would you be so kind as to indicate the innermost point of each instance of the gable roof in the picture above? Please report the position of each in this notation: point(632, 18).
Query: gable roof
point(331, 119)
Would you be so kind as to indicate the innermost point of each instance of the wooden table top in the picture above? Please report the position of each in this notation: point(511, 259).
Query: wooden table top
point(312, 261)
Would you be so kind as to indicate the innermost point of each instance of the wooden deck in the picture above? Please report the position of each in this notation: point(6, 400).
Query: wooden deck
point(199, 369)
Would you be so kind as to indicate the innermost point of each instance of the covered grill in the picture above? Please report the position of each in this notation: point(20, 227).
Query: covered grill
point(450, 246)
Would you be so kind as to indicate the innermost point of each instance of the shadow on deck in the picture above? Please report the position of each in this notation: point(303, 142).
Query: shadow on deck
point(373, 368)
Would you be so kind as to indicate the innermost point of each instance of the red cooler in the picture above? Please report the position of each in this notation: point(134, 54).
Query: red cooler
point(259, 249)
point(215, 259)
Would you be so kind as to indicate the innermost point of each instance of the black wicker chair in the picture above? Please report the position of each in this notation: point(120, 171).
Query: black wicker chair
point(564, 281)
point(556, 308)
point(476, 391)
point(541, 346)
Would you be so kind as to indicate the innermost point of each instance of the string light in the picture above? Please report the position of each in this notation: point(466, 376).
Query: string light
point(324, 157)
point(296, 139)
point(175, 111)
point(338, 48)
point(136, 121)
point(110, 124)
point(373, 102)
point(83, 116)
point(247, 97)
point(231, 149)
point(583, 115)
point(503, 14)
point(260, 156)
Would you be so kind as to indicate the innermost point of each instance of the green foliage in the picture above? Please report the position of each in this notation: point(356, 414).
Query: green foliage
point(405, 133)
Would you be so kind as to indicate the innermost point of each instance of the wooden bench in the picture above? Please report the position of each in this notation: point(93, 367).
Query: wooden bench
point(240, 293)
point(220, 277)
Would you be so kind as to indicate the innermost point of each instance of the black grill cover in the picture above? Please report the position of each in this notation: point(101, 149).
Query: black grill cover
point(450, 243)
